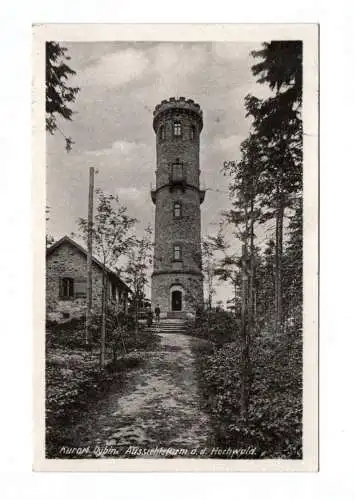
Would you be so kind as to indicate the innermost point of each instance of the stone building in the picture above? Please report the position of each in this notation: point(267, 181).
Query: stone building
point(177, 281)
point(66, 282)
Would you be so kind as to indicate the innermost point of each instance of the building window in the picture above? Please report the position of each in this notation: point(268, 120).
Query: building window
point(177, 209)
point(177, 129)
point(177, 252)
point(162, 133)
point(66, 288)
point(192, 132)
point(177, 171)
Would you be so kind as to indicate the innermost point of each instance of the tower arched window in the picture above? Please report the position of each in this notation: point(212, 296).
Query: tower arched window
point(177, 210)
point(192, 132)
point(162, 132)
point(177, 129)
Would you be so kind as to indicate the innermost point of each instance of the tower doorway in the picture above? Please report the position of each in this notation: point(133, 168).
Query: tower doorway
point(176, 300)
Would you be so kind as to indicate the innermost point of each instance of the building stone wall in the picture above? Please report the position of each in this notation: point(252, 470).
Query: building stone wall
point(184, 231)
point(191, 287)
point(184, 148)
point(68, 262)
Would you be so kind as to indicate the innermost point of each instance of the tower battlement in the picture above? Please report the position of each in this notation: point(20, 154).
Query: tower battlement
point(177, 104)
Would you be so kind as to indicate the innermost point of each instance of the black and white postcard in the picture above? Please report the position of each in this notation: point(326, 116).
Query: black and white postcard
point(176, 247)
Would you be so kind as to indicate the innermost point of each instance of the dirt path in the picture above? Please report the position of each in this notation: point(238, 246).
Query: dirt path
point(161, 407)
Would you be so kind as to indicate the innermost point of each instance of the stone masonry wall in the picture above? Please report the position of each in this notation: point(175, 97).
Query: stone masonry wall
point(67, 262)
point(184, 148)
point(184, 231)
point(192, 291)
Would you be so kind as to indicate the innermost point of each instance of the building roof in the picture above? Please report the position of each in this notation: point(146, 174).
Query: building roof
point(82, 250)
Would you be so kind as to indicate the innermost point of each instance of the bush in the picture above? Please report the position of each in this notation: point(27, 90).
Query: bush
point(275, 408)
point(70, 334)
point(69, 394)
point(218, 327)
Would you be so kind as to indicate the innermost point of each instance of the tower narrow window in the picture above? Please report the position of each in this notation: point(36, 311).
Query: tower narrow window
point(177, 171)
point(177, 252)
point(192, 132)
point(177, 210)
point(162, 133)
point(177, 129)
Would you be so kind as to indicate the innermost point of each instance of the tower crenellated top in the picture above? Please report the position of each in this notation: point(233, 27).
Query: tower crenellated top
point(177, 104)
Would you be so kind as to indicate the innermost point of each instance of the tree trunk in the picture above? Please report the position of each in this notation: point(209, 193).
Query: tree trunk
point(245, 342)
point(255, 305)
point(89, 258)
point(251, 276)
point(278, 263)
point(245, 353)
point(235, 296)
point(249, 332)
point(114, 352)
point(136, 312)
point(122, 330)
point(103, 322)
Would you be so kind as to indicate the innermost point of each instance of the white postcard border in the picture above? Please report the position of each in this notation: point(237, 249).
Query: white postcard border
point(183, 32)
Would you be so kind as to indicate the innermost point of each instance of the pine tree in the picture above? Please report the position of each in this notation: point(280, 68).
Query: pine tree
point(59, 95)
point(277, 122)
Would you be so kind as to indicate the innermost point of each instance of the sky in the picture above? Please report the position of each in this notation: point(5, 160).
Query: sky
point(120, 85)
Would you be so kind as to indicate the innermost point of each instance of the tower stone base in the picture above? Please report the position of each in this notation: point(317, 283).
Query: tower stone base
point(177, 292)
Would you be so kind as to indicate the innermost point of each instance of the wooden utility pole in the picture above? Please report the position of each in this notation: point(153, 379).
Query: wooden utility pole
point(89, 257)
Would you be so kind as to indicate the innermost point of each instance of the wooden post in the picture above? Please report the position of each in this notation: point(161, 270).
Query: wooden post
point(89, 257)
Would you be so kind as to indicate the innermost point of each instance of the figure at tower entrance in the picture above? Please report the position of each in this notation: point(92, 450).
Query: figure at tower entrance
point(177, 280)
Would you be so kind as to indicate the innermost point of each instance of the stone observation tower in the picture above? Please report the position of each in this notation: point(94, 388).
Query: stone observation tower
point(177, 281)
